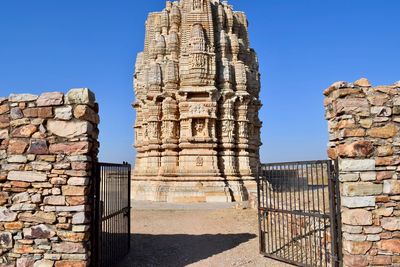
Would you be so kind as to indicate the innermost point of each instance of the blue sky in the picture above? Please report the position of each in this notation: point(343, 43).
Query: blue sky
point(303, 47)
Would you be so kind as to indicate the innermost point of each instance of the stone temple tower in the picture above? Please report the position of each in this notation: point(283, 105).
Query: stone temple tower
point(197, 84)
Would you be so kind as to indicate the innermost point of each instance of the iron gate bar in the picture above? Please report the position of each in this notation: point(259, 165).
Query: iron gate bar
point(111, 214)
point(295, 214)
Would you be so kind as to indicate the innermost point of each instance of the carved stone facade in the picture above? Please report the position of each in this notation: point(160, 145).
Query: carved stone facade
point(197, 131)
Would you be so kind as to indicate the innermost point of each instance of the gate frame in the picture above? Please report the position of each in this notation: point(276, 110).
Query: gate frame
point(97, 218)
point(334, 212)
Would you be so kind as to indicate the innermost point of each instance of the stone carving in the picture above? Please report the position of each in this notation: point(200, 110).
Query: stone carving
point(197, 87)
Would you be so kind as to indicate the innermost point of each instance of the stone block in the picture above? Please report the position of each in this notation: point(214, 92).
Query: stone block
point(50, 99)
point(54, 200)
point(357, 248)
point(68, 247)
point(386, 131)
point(7, 215)
point(22, 97)
point(391, 187)
point(69, 129)
point(63, 113)
point(391, 223)
point(27, 176)
point(358, 202)
point(80, 96)
point(362, 189)
point(357, 217)
point(391, 245)
point(6, 240)
point(350, 165)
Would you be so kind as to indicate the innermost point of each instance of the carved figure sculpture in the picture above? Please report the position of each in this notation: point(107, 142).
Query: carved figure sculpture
point(197, 90)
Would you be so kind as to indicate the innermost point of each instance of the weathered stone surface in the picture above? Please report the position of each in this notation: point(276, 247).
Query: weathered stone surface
point(80, 218)
point(17, 159)
point(80, 96)
point(387, 131)
point(50, 99)
point(391, 187)
point(38, 217)
point(357, 217)
point(357, 248)
point(13, 225)
point(39, 231)
point(17, 146)
point(22, 97)
point(16, 113)
point(54, 200)
point(6, 240)
point(4, 134)
point(73, 148)
point(68, 263)
point(362, 189)
point(69, 129)
point(352, 106)
point(68, 247)
point(355, 260)
point(3, 198)
point(25, 262)
point(7, 215)
point(63, 113)
point(4, 108)
point(356, 149)
point(71, 236)
point(84, 112)
point(363, 82)
point(68, 190)
point(38, 147)
point(27, 176)
point(357, 165)
point(45, 112)
point(43, 263)
point(21, 197)
point(78, 181)
point(41, 166)
point(23, 207)
point(24, 131)
point(392, 245)
point(358, 202)
point(391, 223)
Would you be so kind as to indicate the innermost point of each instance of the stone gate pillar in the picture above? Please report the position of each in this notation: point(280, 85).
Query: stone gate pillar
point(364, 135)
point(48, 145)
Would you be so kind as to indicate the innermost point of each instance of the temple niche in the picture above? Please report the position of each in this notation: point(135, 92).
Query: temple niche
point(197, 130)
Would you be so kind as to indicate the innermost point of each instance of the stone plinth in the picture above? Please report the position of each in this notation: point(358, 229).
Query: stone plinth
point(364, 135)
point(197, 131)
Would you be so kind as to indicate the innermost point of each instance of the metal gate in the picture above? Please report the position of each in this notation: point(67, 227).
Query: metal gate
point(111, 215)
point(299, 213)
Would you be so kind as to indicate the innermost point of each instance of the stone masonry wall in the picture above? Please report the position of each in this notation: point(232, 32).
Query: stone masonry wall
point(47, 146)
point(364, 134)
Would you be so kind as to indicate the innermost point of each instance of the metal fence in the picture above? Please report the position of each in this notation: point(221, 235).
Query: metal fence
point(111, 216)
point(299, 213)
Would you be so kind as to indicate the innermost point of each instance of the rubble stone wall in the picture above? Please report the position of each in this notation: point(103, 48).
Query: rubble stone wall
point(364, 123)
point(48, 144)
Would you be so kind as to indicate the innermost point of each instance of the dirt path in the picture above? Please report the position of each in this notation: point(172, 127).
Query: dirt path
point(194, 235)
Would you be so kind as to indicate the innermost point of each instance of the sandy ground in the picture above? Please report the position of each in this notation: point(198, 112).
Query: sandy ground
point(194, 235)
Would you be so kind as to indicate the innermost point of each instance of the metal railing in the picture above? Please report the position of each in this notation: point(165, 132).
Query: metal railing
point(298, 213)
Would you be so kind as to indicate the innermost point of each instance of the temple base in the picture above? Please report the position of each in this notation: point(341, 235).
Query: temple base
point(191, 191)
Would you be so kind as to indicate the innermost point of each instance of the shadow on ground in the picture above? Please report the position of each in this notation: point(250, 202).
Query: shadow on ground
point(179, 250)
